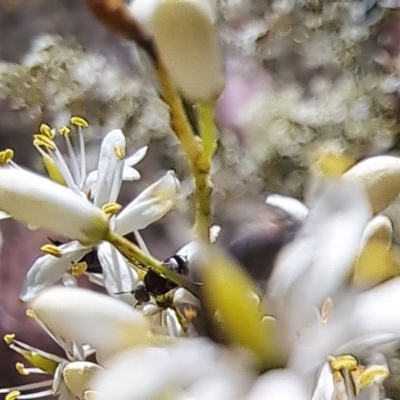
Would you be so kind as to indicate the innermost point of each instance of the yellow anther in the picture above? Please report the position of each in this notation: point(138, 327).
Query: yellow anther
point(78, 269)
point(21, 369)
point(12, 395)
point(6, 156)
point(343, 362)
point(64, 131)
point(9, 338)
point(42, 140)
point(52, 250)
point(374, 374)
point(79, 121)
point(329, 164)
point(30, 313)
point(45, 130)
point(111, 208)
point(52, 169)
point(120, 152)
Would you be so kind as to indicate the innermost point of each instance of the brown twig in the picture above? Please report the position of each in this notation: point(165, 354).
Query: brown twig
point(115, 15)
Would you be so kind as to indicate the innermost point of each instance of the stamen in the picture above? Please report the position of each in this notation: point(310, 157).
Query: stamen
point(12, 395)
point(6, 156)
point(52, 169)
point(21, 369)
point(346, 361)
point(64, 131)
point(28, 386)
point(190, 313)
point(120, 152)
point(43, 140)
point(111, 208)
point(9, 338)
point(52, 250)
point(374, 374)
point(78, 269)
point(72, 157)
point(45, 130)
point(30, 313)
point(79, 121)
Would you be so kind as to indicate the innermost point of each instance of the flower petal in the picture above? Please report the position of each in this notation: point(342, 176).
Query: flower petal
point(151, 205)
point(380, 178)
point(130, 174)
point(39, 202)
point(47, 270)
point(136, 157)
point(279, 385)
point(118, 275)
point(317, 263)
point(185, 35)
point(290, 205)
point(110, 168)
point(85, 317)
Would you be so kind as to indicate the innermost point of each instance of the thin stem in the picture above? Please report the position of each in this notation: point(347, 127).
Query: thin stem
point(135, 255)
point(199, 157)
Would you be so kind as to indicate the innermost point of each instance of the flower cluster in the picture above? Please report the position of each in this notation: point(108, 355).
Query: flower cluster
point(196, 325)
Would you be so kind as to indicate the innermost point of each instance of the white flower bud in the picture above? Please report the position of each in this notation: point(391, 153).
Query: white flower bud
point(86, 317)
point(42, 203)
point(185, 35)
point(380, 178)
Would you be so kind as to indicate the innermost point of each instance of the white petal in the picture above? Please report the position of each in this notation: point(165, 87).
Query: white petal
point(47, 270)
point(136, 157)
point(379, 228)
point(291, 206)
point(279, 385)
point(325, 387)
point(363, 321)
point(118, 275)
point(4, 215)
point(77, 375)
point(130, 174)
point(317, 263)
point(39, 202)
point(110, 168)
point(151, 205)
point(80, 315)
point(380, 178)
point(185, 35)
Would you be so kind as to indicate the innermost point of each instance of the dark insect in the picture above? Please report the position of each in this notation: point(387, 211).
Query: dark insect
point(156, 285)
point(91, 259)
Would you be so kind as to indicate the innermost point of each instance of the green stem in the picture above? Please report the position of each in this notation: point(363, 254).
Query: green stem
point(135, 255)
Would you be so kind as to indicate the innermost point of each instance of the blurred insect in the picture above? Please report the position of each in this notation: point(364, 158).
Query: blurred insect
point(158, 286)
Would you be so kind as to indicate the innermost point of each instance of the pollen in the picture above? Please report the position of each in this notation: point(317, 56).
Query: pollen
point(343, 362)
point(111, 209)
point(6, 156)
point(120, 152)
point(45, 130)
point(190, 313)
point(79, 121)
point(64, 131)
point(43, 140)
point(78, 269)
point(12, 395)
point(21, 369)
point(52, 250)
point(374, 374)
point(9, 338)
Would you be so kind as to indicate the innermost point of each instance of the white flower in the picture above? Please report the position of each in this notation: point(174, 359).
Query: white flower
point(41, 203)
point(88, 318)
point(193, 369)
point(69, 376)
point(104, 185)
point(186, 39)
